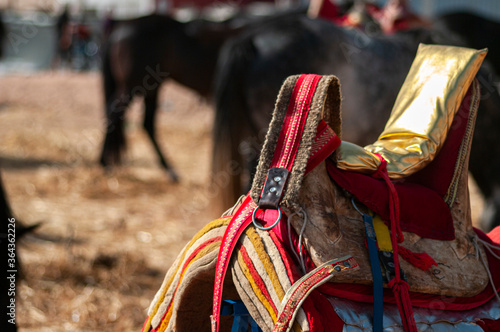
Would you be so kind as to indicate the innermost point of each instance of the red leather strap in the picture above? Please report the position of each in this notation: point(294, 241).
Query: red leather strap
point(300, 290)
point(294, 122)
point(288, 143)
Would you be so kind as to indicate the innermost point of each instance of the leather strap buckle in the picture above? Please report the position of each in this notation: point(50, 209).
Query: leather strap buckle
point(273, 190)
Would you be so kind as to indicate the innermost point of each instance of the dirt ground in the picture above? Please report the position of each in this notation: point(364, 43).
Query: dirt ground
point(106, 239)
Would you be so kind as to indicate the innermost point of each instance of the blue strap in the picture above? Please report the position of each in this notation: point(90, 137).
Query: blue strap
point(378, 291)
point(242, 318)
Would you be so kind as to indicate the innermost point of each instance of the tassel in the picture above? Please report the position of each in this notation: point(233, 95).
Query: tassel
point(399, 287)
point(420, 260)
point(401, 292)
point(381, 173)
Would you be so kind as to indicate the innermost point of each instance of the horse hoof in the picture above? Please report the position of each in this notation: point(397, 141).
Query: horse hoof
point(174, 177)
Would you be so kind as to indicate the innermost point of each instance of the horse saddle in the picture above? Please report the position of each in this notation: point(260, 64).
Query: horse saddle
point(424, 199)
point(320, 206)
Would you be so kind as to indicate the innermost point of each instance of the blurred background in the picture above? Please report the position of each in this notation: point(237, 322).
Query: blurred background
point(88, 17)
point(106, 237)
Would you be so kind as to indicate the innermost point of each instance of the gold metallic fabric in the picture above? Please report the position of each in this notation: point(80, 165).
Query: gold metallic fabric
point(353, 157)
point(422, 114)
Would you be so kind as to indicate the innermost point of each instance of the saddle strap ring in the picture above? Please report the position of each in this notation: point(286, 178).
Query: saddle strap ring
point(262, 227)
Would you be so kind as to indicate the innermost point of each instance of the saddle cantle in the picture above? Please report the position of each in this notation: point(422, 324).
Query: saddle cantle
point(426, 146)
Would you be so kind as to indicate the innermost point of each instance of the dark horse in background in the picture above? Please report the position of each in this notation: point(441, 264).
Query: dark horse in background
point(371, 70)
point(142, 53)
point(138, 56)
point(476, 31)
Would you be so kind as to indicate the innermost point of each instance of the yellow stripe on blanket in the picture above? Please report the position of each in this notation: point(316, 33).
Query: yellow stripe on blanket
point(180, 262)
point(257, 291)
point(211, 247)
point(266, 261)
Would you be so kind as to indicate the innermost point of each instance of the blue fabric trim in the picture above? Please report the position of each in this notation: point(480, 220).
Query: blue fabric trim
point(242, 318)
point(378, 291)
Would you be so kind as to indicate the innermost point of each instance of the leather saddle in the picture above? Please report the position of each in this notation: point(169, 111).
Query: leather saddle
point(424, 151)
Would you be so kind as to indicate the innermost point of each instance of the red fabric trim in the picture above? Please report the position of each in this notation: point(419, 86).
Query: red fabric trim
point(267, 217)
point(241, 219)
point(489, 325)
point(291, 269)
point(494, 235)
point(294, 121)
point(420, 260)
point(144, 325)
point(413, 217)
point(364, 293)
point(320, 314)
point(327, 320)
point(439, 173)
point(255, 275)
point(329, 10)
point(325, 143)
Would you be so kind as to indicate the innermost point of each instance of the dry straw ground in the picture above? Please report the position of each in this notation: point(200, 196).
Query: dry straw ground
point(106, 240)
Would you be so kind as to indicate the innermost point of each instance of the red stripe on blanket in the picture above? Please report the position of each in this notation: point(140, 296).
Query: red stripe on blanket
point(255, 275)
point(186, 264)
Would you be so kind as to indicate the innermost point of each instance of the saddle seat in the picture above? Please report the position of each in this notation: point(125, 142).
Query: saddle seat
point(425, 146)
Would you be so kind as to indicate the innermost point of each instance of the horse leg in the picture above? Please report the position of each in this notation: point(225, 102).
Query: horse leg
point(114, 141)
point(151, 103)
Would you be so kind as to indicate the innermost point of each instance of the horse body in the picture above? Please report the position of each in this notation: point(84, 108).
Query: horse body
point(2, 34)
point(371, 69)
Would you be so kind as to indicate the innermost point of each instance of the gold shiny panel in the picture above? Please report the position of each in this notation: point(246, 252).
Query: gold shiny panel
point(423, 112)
point(352, 157)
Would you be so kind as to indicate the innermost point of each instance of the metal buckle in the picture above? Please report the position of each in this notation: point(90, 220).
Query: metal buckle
point(265, 228)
